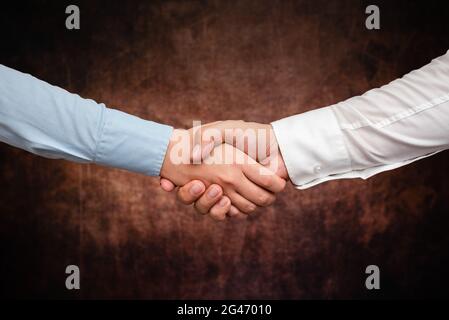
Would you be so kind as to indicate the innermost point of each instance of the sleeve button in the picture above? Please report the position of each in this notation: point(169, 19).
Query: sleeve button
point(317, 169)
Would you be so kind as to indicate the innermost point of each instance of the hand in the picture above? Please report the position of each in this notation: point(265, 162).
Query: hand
point(236, 131)
point(206, 203)
point(246, 183)
point(206, 200)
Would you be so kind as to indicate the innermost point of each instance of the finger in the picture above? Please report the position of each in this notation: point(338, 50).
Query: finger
point(252, 138)
point(204, 142)
point(275, 163)
point(254, 193)
point(218, 211)
point(215, 132)
point(264, 177)
point(241, 203)
point(191, 191)
point(212, 196)
point(209, 136)
point(235, 213)
point(167, 185)
point(202, 151)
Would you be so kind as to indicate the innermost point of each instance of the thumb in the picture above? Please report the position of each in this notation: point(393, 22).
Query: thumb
point(205, 139)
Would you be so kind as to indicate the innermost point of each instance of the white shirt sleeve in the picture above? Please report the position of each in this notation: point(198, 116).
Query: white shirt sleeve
point(383, 129)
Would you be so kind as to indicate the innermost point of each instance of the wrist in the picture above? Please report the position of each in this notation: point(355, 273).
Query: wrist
point(174, 163)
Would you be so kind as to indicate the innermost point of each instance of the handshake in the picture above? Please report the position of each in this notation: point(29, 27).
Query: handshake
point(226, 168)
point(229, 168)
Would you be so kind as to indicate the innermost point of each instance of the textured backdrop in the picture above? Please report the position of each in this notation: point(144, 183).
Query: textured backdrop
point(256, 60)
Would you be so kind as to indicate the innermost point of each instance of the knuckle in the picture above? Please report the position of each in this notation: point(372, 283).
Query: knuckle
point(262, 199)
point(226, 179)
point(266, 199)
point(233, 212)
point(199, 208)
point(183, 199)
point(249, 208)
point(283, 184)
point(218, 216)
point(229, 178)
point(267, 182)
point(184, 196)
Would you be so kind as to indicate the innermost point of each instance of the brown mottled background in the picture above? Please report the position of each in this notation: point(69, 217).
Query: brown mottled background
point(175, 61)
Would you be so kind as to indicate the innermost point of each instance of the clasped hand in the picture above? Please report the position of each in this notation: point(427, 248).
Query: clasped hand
point(227, 168)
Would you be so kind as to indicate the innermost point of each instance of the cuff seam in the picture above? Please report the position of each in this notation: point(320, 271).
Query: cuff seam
point(280, 144)
point(344, 145)
point(161, 156)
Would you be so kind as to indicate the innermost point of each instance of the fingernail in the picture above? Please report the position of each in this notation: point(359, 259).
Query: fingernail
point(196, 189)
point(223, 202)
point(213, 192)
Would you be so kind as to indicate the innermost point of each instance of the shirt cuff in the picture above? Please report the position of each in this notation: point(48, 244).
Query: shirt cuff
point(130, 143)
point(312, 146)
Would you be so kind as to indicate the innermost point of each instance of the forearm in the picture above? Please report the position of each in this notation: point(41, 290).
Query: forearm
point(381, 130)
point(51, 122)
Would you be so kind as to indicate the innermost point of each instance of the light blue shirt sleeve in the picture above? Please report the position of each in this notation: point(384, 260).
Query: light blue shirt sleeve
point(53, 123)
